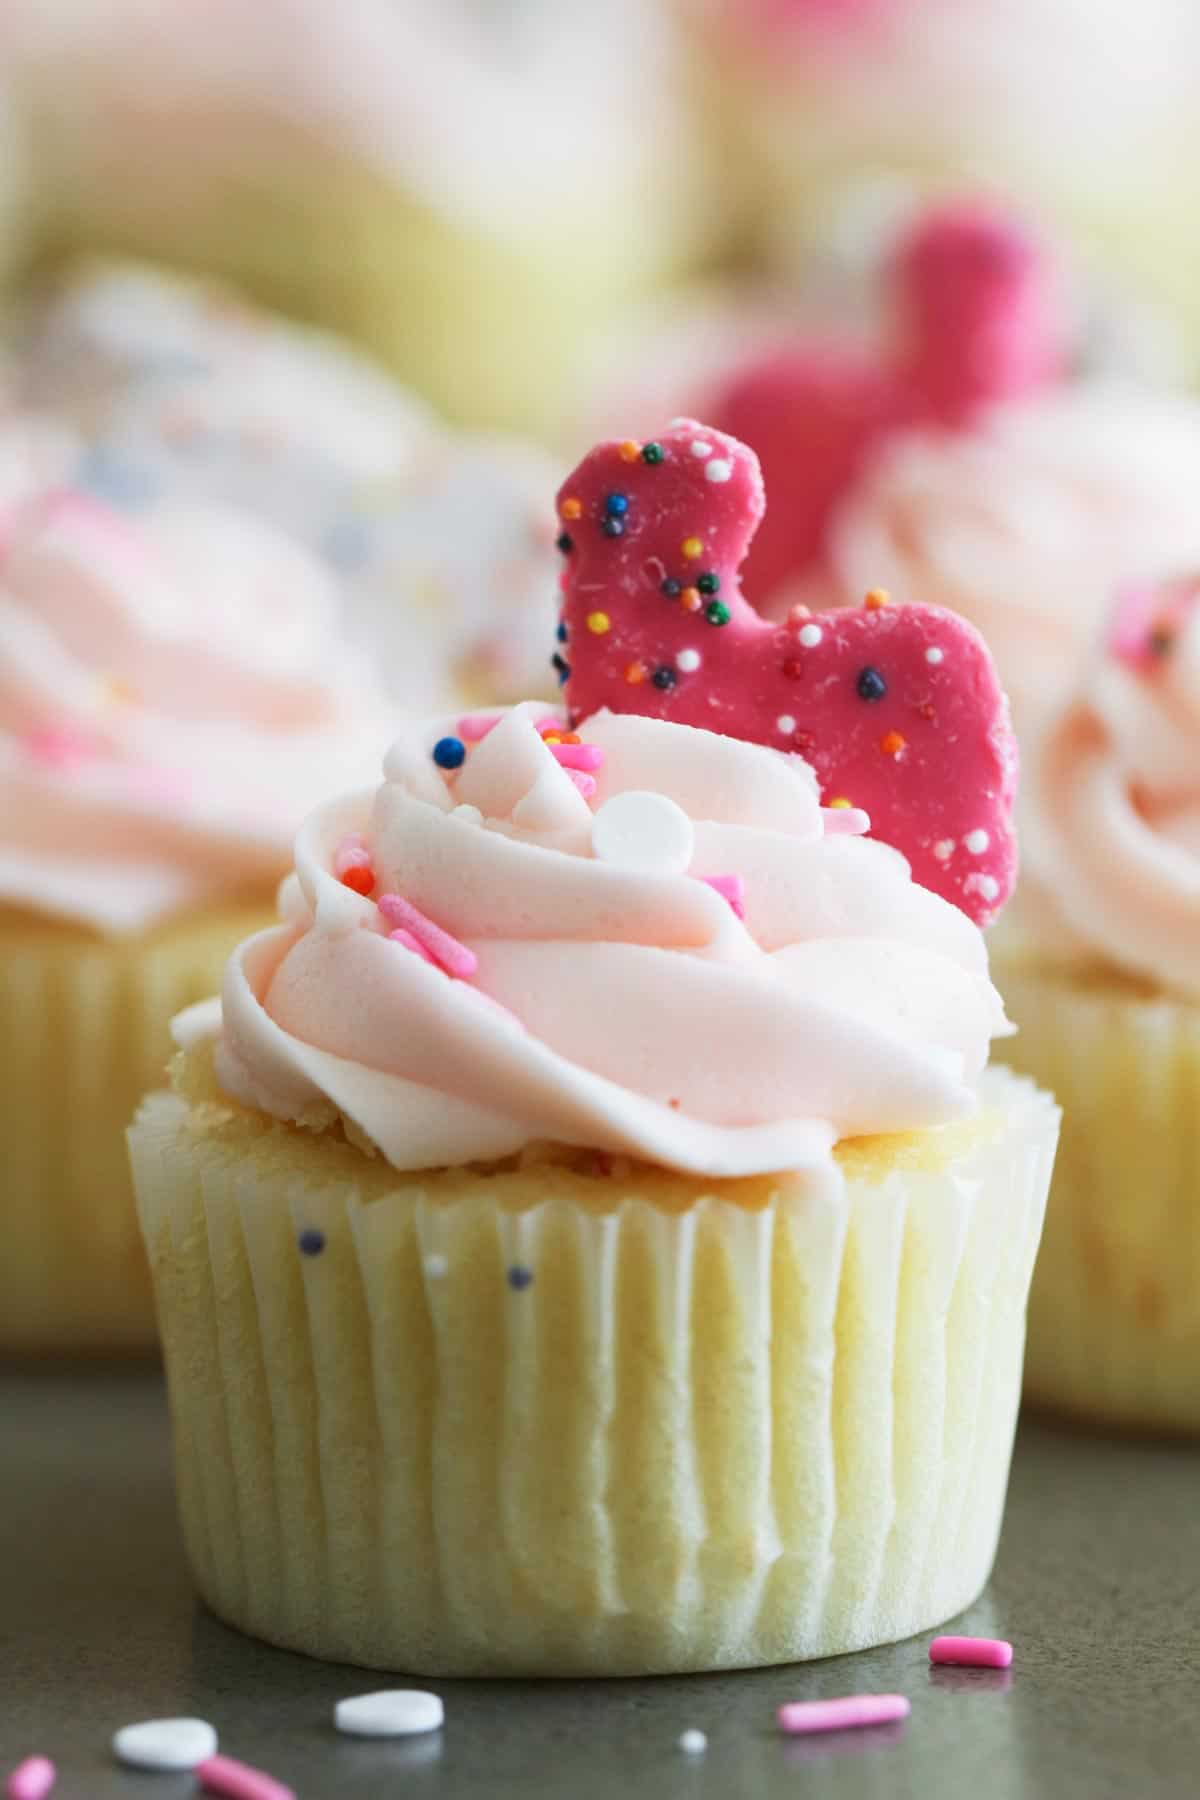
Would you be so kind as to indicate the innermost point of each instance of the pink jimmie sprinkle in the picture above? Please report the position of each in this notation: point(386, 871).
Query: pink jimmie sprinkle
point(475, 726)
point(585, 783)
point(549, 723)
point(410, 943)
point(731, 888)
point(578, 756)
point(59, 746)
point(452, 956)
point(352, 853)
point(32, 1779)
point(972, 1653)
point(238, 1781)
point(845, 821)
point(799, 1717)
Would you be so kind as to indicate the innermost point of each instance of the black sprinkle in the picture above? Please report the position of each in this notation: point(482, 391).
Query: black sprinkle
point(672, 589)
point(562, 665)
point(663, 677)
point(565, 542)
point(709, 582)
point(520, 1277)
point(612, 526)
point(871, 685)
point(311, 1242)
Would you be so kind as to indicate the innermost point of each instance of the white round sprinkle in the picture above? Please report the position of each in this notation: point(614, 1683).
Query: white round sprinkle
point(688, 661)
point(719, 469)
point(977, 842)
point(944, 849)
point(987, 885)
point(392, 1712)
point(165, 1744)
point(693, 1743)
point(470, 815)
point(810, 635)
point(436, 1266)
point(786, 724)
point(700, 448)
point(642, 831)
point(674, 424)
point(933, 654)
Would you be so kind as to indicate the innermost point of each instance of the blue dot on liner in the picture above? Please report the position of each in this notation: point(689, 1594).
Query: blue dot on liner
point(616, 505)
point(449, 753)
point(311, 1242)
point(520, 1277)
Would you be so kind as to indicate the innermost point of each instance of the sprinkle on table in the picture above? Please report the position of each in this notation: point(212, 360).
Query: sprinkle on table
point(238, 1781)
point(971, 1652)
point(32, 1779)
point(798, 1718)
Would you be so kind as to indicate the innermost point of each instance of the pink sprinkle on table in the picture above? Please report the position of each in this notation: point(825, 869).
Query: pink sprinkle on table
point(452, 956)
point(32, 1779)
point(731, 888)
point(238, 1781)
point(972, 1653)
point(473, 727)
point(799, 1717)
point(578, 756)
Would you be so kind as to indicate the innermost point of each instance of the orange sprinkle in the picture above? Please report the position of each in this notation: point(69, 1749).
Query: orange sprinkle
point(692, 547)
point(572, 508)
point(892, 743)
point(561, 737)
point(360, 879)
point(635, 673)
point(876, 598)
point(840, 802)
point(690, 599)
point(599, 623)
point(629, 451)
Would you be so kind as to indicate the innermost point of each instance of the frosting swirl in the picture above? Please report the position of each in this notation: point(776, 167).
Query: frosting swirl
point(659, 944)
point(1113, 802)
point(166, 689)
point(1024, 523)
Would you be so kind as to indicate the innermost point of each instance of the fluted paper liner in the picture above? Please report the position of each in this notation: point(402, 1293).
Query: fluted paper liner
point(85, 1033)
point(1114, 1321)
point(714, 1429)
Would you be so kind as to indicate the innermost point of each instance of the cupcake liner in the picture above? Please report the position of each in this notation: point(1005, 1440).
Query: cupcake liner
point(85, 1033)
point(544, 1423)
point(1114, 1317)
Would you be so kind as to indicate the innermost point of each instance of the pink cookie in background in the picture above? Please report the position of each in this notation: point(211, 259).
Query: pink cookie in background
point(897, 708)
point(977, 320)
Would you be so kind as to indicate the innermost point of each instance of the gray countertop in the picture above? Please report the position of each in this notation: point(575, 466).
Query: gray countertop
point(1097, 1584)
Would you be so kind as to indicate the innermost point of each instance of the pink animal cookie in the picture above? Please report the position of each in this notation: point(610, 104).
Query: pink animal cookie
point(897, 708)
point(977, 321)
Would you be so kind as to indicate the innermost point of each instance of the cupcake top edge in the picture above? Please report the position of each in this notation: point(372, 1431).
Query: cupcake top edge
point(1113, 797)
point(173, 692)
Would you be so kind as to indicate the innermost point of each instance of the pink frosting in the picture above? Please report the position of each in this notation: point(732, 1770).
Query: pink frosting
point(897, 708)
point(166, 690)
point(1113, 828)
point(536, 963)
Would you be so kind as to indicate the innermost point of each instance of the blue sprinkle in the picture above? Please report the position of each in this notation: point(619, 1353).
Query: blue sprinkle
point(449, 753)
point(562, 634)
point(616, 505)
point(311, 1242)
point(520, 1277)
point(562, 665)
point(109, 476)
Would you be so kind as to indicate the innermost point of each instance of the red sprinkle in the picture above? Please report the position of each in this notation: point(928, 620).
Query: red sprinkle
point(359, 878)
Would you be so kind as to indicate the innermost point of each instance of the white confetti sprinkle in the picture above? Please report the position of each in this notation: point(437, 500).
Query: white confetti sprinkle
point(392, 1712)
point(643, 831)
point(977, 842)
point(719, 469)
point(700, 448)
point(810, 636)
point(693, 1743)
point(933, 654)
point(165, 1744)
point(470, 815)
point(944, 849)
point(436, 1266)
point(688, 661)
point(675, 424)
point(786, 724)
point(987, 885)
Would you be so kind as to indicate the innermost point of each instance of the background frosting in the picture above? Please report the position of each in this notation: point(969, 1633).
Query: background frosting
point(1113, 800)
point(168, 691)
point(848, 1001)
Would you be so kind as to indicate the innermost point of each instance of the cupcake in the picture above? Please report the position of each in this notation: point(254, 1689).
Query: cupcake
point(186, 391)
point(164, 688)
point(1101, 970)
point(586, 1234)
